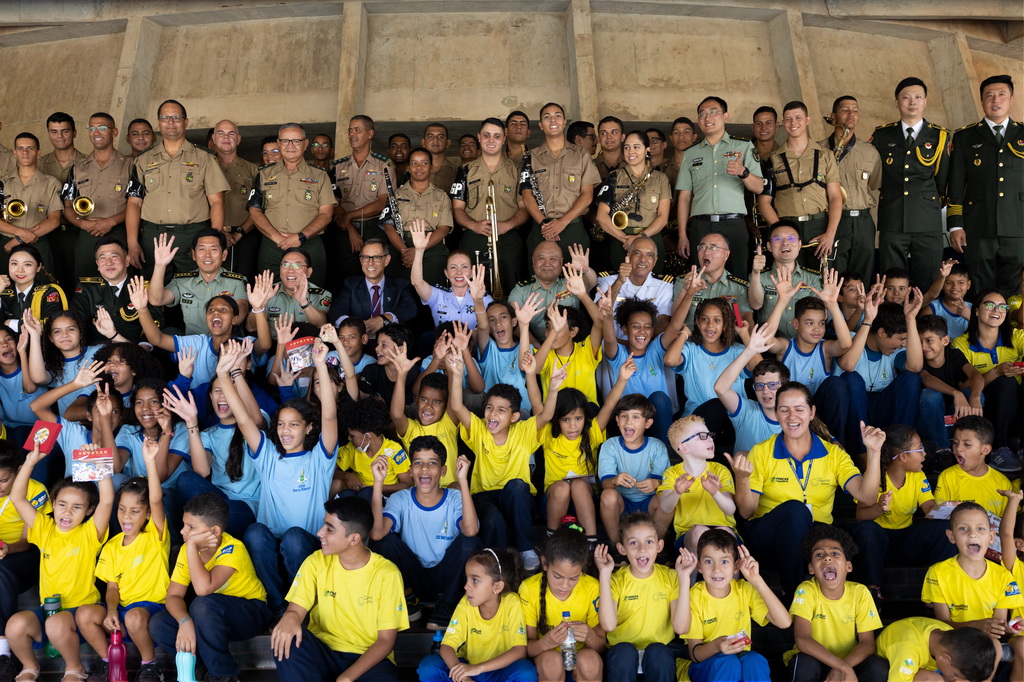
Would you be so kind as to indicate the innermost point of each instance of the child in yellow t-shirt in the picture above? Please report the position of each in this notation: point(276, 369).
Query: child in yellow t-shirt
point(487, 632)
point(230, 603)
point(643, 605)
point(834, 620)
point(696, 494)
point(69, 542)
point(432, 418)
point(722, 609)
point(559, 598)
point(134, 567)
point(365, 421)
point(1012, 543)
point(917, 648)
point(971, 479)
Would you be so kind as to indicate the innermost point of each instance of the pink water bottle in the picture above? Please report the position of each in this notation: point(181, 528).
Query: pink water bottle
point(117, 659)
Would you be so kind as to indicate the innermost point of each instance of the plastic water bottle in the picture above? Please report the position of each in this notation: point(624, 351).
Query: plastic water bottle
point(51, 606)
point(117, 658)
point(435, 647)
point(186, 665)
point(568, 646)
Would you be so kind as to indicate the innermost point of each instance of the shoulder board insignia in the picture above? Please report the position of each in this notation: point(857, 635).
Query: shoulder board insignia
point(937, 127)
point(603, 274)
point(738, 280)
point(526, 282)
point(231, 275)
point(741, 139)
point(183, 275)
point(266, 165)
point(443, 288)
point(887, 125)
point(91, 280)
point(341, 160)
point(7, 292)
point(812, 271)
point(665, 278)
point(380, 157)
point(316, 290)
point(969, 125)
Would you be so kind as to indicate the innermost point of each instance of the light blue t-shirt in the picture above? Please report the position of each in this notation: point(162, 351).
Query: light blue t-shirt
point(956, 325)
point(15, 404)
point(648, 461)
point(752, 425)
point(71, 368)
point(809, 369)
point(650, 376)
point(130, 438)
point(206, 357)
point(501, 366)
point(700, 369)
point(878, 370)
point(72, 437)
point(428, 531)
point(217, 441)
point(446, 307)
point(293, 488)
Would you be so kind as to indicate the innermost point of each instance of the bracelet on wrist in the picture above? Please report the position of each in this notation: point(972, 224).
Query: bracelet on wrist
point(192, 429)
point(166, 433)
point(257, 311)
point(303, 306)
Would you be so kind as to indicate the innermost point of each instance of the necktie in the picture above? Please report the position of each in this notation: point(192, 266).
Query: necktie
point(999, 133)
point(910, 137)
point(21, 299)
point(375, 302)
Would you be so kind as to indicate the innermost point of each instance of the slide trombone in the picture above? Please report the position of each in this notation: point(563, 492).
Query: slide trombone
point(491, 213)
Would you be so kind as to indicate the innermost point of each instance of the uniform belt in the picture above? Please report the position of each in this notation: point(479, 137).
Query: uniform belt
point(717, 217)
point(804, 218)
point(853, 213)
point(173, 226)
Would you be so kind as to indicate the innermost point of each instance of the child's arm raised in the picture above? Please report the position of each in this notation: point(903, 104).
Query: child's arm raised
point(470, 524)
point(139, 297)
point(761, 341)
point(848, 360)
point(608, 616)
point(150, 448)
point(461, 343)
point(777, 613)
point(403, 365)
point(36, 368)
point(328, 399)
point(329, 334)
point(86, 377)
point(1007, 526)
point(524, 316)
point(557, 379)
point(693, 284)
point(442, 344)
point(686, 562)
point(829, 295)
point(243, 387)
point(477, 290)
point(935, 290)
point(674, 352)
point(184, 405)
point(865, 487)
point(528, 364)
point(19, 489)
point(27, 384)
point(456, 407)
point(627, 370)
point(285, 333)
point(243, 421)
point(914, 361)
point(381, 524)
point(101, 516)
point(575, 285)
point(263, 290)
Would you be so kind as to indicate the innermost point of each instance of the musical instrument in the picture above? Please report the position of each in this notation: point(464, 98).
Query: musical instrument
point(393, 205)
point(529, 176)
point(491, 212)
point(14, 208)
point(620, 219)
point(824, 260)
point(83, 206)
point(839, 149)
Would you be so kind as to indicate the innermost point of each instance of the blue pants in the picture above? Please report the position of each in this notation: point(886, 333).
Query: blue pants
point(501, 510)
point(895, 404)
point(662, 413)
point(622, 660)
point(365, 492)
point(18, 572)
point(775, 540)
point(219, 619)
point(240, 516)
point(806, 668)
point(314, 661)
point(276, 564)
point(444, 578)
point(434, 669)
point(879, 547)
point(931, 413)
point(748, 666)
point(832, 400)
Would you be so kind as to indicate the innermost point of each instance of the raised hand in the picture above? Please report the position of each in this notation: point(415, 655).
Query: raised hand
point(319, 353)
point(399, 357)
point(946, 267)
point(5, 282)
point(328, 333)
point(88, 373)
point(783, 281)
point(187, 361)
point(628, 368)
point(748, 564)
point(104, 323)
point(104, 403)
point(603, 560)
point(872, 437)
point(912, 304)
point(558, 318)
point(183, 405)
point(138, 293)
point(695, 281)
point(283, 328)
point(150, 449)
point(454, 364)
point(379, 468)
point(740, 465)
point(477, 282)
point(418, 232)
point(831, 286)
point(760, 260)
point(460, 341)
point(761, 338)
point(30, 324)
point(558, 377)
point(229, 351)
point(527, 361)
point(262, 290)
point(580, 257)
point(574, 281)
point(525, 313)
point(462, 465)
point(163, 253)
point(685, 562)
point(624, 269)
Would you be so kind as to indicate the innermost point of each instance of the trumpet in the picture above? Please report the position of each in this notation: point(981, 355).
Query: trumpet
point(823, 262)
point(14, 208)
point(491, 212)
point(83, 206)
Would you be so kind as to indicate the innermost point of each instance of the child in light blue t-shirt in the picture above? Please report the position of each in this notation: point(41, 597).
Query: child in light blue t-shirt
point(945, 297)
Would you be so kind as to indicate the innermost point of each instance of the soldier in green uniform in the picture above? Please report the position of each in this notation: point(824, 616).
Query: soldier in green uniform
point(442, 169)
point(986, 201)
point(711, 255)
point(915, 169)
point(102, 177)
point(26, 286)
point(292, 203)
point(548, 282)
point(242, 235)
point(176, 188)
point(40, 194)
point(61, 130)
point(304, 300)
point(469, 200)
point(191, 290)
point(359, 188)
point(110, 292)
point(419, 198)
point(784, 243)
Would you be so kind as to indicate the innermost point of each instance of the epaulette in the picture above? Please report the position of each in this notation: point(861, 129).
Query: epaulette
point(341, 160)
point(91, 280)
point(969, 125)
point(231, 275)
point(665, 278)
point(937, 127)
point(887, 125)
point(9, 291)
point(379, 157)
point(812, 271)
point(182, 275)
point(741, 139)
point(527, 282)
point(442, 288)
point(316, 290)
point(266, 165)
point(604, 273)
point(738, 280)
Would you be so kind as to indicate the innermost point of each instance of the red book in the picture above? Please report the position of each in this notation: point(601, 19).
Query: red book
point(45, 434)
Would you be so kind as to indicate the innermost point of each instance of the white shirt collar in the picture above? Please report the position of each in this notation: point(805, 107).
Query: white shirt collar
point(917, 129)
point(370, 285)
point(118, 285)
point(992, 125)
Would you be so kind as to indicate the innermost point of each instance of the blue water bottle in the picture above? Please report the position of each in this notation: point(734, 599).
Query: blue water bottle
point(186, 665)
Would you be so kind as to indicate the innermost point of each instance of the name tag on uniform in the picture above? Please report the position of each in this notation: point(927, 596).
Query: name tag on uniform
point(864, 175)
point(698, 162)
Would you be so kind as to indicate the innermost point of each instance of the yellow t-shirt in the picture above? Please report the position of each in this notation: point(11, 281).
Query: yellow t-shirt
point(697, 506)
point(351, 459)
point(905, 501)
point(139, 569)
point(447, 431)
point(957, 485)
point(645, 615)
point(581, 603)
point(68, 561)
point(905, 645)
point(982, 358)
point(835, 624)
point(563, 458)
point(780, 478)
point(478, 640)
point(582, 369)
point(711, 617)
point(243, 583)
point(11, 524)
point(969, 599)
point(496, 465)
point(348, 608)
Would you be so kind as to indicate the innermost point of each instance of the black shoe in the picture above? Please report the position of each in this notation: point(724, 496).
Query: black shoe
point(100, 673)
point(9, 667)
point(412, 607)
point(1005, 462)
point(150, 672)
point(441, 616)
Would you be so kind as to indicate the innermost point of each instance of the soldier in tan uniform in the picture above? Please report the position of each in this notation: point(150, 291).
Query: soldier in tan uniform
point(360, 190)
point(803, 187)
point(657, 149)
point(442, 169)
point(242, 235)
point(469, 149)
point(41, 195)
point(517, 133)
point(610, 131)
point(321, 152)
point(860, 174)
point(419, 198)
point(565, 176)
point(176, 189)
point(582, 134)
point(291, 203)
point(140, 137)
point(399, 146)
point(61, 130)
point(103, 178)
point(469, 201)
point(764, 125)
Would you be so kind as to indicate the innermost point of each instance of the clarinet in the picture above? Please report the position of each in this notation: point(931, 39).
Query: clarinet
point(393, 204)
point(531, 177)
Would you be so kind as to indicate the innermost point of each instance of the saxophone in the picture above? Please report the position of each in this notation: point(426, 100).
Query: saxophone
point(619, 216)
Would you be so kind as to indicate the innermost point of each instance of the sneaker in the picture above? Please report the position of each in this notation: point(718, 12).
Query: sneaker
point(100, 673)
point(150, 672)
point(1005, 462)
point(441, 616)
point(531, 562)
point(412, 607)
point(9, 667)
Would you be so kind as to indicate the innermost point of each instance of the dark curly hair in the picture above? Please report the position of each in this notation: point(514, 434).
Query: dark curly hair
point(631, 306)
point(728, 328)
point(569, 544)
point(367, 415)
point(53, 358)
point(140, 361)
point(308, 414)
point(824, 531)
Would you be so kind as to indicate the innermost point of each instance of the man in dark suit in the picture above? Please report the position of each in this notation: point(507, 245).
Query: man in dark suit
point(915, 167)
point(373, 298)
point(986, 201)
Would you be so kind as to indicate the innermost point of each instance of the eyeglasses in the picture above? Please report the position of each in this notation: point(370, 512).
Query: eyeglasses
point(770, 385)
point(703, 435)
point(371, 259)
point(174, 118)
point(908, 452)
point(710, 247)
point(98, 129)
point(268, 152)
point(785, 240)
point(709, 112)
point(320, 145)
point(293, 265)
point(291, 143)
point(992, 305)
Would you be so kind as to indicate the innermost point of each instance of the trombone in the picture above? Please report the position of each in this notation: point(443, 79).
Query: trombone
point(83, 206)
point(491, 213)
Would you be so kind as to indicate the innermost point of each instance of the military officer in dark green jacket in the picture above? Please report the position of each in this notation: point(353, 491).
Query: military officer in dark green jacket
point(915, 167)
point(986, 191)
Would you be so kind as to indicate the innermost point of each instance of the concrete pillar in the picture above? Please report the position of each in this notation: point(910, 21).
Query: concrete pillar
point(132, 86)
point(957, 79)
point(351, 79)
point(793, 65)
point(582, 77)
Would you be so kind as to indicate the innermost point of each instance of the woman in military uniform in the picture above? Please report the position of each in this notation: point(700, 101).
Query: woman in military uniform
point(27, 286)
point(634, 201)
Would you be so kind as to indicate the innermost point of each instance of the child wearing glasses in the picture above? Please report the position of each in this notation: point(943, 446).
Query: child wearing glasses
point(785, 245)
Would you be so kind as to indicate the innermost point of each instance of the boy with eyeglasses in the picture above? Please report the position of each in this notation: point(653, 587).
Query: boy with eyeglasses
point(753, 420)
point(784, 244)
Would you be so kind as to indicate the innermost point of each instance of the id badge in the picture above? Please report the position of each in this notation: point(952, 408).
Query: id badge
point(809, 508)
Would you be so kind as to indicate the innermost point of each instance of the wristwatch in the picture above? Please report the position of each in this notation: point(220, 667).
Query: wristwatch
point(745, 174)
point(302, 238)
